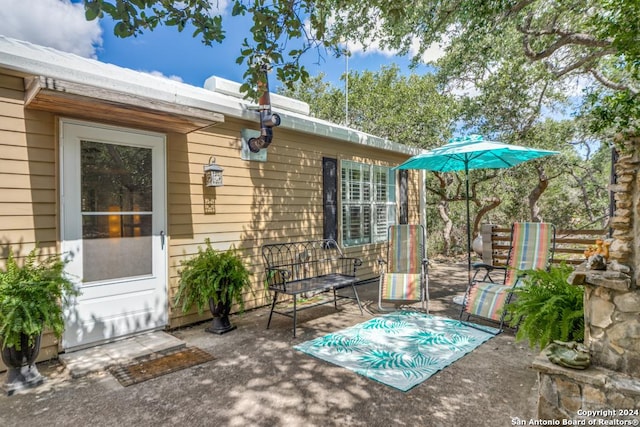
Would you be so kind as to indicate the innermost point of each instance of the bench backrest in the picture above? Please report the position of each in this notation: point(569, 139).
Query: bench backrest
point(303, 260)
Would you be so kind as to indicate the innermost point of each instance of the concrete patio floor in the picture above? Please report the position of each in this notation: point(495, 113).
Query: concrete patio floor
point(258, 379)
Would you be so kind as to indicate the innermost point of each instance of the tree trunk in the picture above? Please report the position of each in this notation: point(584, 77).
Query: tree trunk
point(536, 193)
point(491, 204)
point(585, 196)
point(443, 211)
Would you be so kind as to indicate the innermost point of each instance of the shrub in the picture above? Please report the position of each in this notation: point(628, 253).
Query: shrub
point(212, 274)
point(32, 298)
point(547, 307)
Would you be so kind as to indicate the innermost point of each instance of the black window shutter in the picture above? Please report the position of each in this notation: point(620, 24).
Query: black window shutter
point(404, 197)
point(330, 197)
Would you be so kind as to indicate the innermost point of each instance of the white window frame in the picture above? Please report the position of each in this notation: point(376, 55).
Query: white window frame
point(364, 192)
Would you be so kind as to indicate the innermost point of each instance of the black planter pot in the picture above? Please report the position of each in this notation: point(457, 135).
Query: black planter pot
point(22, 371)
point(220, 323)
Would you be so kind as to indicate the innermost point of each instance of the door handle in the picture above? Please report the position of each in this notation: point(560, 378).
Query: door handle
point(162, 239)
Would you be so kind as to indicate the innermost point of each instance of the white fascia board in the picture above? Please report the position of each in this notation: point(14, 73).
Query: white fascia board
point(331, 130)
point(295, 115)
point(231, 88)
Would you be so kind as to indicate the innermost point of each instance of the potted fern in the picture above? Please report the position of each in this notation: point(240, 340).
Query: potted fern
point(547, 308)
point(216, 279)
point(32, 298)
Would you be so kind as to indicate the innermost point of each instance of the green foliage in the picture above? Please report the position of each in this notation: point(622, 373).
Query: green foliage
point(620, 23)
point(502, 54)
point(132, 17)
point(409, 109)
point(212, 274)
point(282, 31)
point(547, 308)
point(32, 297)
point(610, 112)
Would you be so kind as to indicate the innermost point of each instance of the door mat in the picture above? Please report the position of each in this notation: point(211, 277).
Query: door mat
point(159, 364)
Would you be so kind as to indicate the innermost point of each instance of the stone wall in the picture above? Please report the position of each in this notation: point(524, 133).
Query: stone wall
point(612, 322)
point(612, 317)
point(612, 297)
point(570, 394)
point(624, 222)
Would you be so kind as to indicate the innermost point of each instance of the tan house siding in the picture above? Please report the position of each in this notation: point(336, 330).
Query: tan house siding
point(28, 177)
point(260, 202)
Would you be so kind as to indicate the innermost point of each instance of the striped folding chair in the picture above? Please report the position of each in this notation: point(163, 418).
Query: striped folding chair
point(403, 277)
point(532, 247)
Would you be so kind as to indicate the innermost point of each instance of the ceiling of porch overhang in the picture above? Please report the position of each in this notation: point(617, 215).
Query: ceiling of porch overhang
point(90, 102)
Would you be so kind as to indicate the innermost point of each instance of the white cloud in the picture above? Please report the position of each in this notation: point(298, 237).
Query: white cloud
point(368, 47)
point(575, 85)
point(160, 74)
point(220, 6)
point(54, 23)
point(372, 46)
point(464, 89)
point(434, 52)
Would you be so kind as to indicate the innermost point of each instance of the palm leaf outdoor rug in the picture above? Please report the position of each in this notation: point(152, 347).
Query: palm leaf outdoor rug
point(400, 349)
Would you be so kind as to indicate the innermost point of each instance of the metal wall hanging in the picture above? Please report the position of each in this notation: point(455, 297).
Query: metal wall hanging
point(213, 174)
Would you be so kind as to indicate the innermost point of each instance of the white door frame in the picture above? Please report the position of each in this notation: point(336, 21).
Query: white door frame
point(70, 134)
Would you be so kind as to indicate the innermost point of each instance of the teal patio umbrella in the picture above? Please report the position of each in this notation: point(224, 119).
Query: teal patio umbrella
point(472, 152)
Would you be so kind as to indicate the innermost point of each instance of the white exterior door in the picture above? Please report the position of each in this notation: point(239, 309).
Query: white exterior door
point(113, 231)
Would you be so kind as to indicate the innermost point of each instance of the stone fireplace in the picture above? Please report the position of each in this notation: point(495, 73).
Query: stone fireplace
point(612, 320)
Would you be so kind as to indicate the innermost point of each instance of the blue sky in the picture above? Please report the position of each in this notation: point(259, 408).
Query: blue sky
point(61, 24)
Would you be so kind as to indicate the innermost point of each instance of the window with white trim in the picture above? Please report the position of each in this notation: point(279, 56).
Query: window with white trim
point(368, 202)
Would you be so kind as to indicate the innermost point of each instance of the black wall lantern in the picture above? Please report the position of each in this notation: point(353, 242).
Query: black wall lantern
point(268, 120)
point(213, 174)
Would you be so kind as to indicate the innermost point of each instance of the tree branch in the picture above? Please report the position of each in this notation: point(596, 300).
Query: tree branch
point(585, 194)
point(536, 113)
point(513, 11)
point(564, 38)
point(613, 85)
point(583, 61)
point(487, 177)
point(492, 203)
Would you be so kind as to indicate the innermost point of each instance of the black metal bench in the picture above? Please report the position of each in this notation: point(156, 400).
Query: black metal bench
point(308, 267)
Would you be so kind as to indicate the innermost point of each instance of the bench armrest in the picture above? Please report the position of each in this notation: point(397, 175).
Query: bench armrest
point(283, 273)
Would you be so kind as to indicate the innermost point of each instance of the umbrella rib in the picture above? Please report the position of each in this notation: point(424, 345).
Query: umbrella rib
point(502, 159)
point(449, 159)
point(459, 157)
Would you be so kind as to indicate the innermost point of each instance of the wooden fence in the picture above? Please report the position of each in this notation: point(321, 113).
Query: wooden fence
point(570, 244)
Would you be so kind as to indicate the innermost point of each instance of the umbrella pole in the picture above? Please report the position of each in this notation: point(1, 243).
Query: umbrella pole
point(466, 175)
